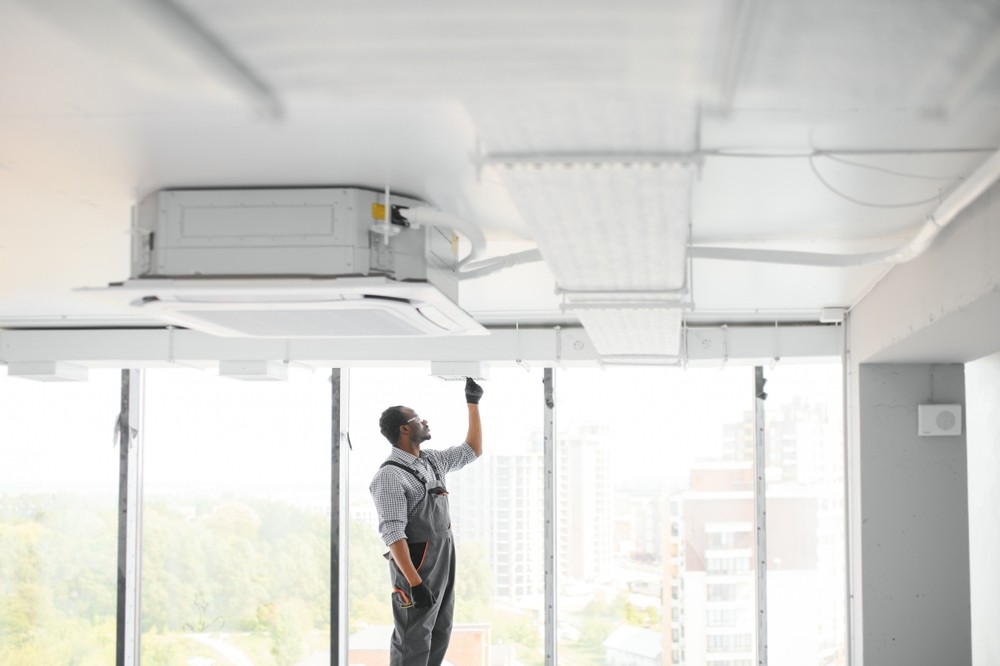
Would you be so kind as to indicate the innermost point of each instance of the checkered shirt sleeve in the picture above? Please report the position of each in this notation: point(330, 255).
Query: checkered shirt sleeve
point(396, 492)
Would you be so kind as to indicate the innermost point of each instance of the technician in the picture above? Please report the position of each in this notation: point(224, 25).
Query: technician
point(415, 523)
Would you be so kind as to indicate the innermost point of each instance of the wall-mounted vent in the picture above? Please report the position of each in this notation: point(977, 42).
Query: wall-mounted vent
point(939, 420)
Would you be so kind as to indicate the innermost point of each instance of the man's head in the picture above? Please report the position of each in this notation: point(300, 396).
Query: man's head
point(401, 424)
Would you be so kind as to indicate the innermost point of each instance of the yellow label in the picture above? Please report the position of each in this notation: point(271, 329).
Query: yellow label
point(378, 211)
point(454, 244)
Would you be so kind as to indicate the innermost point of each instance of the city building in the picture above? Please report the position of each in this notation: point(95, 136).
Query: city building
point(502, 507)
point(710, 585)
point(584, 503)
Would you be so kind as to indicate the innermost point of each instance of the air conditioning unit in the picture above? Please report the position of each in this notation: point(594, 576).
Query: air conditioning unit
point(292, 263)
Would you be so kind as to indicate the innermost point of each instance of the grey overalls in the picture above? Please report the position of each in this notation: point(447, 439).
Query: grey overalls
point(422, 634)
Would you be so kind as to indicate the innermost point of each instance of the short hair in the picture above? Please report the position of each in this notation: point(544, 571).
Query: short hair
point(390, 422)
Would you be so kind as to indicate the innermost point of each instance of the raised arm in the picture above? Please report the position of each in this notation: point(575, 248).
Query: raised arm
point(474, 437)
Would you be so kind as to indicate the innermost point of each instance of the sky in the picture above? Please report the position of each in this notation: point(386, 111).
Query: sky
point(206, 434)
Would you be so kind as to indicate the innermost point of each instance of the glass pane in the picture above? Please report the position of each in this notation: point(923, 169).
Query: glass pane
point(58, 520)
point(806, 577)
point(496, 510)
point(236, 520)
point(655, 517)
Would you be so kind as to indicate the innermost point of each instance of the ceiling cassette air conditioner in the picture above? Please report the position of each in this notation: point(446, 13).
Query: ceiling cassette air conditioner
point(292, 263)
point(301, 308)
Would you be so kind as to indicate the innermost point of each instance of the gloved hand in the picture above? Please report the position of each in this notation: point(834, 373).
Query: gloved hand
point(473, 391)
point(421, 596)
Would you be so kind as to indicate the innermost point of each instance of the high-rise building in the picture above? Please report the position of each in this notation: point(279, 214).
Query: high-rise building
point(638, 524)
point(708, 578)
point(502, 507)
point(709, 591)
point(585, 529)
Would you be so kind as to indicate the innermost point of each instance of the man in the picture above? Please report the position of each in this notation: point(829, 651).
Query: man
point(415, 524)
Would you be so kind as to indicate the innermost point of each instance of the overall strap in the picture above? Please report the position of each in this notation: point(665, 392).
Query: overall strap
point(437, 472)
point(408, 469)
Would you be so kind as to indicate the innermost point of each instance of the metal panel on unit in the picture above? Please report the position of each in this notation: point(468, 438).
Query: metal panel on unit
point(327, 232)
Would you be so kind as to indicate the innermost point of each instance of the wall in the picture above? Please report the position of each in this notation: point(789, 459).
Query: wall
point(982, 381)
point(914, 529)
point(907, 496)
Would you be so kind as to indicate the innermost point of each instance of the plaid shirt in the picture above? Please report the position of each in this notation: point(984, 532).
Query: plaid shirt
point(397, 492)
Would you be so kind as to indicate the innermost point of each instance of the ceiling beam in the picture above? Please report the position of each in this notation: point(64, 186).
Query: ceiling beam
point(570, 346)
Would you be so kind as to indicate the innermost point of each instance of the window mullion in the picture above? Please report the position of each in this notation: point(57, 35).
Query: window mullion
point(551, 515)
point(339, 538)
point(129, 440)
point(760, 513)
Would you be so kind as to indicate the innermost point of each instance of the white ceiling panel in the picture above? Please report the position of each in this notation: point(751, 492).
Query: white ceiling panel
point(608, 136)
point(611, 125)
point(456, 49)
point(861, 55)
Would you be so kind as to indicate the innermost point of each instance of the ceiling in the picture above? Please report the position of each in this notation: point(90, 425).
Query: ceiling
point(610, 137)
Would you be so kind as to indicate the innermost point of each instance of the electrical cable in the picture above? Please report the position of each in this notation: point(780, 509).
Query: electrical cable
point(951, 205)
point(870, 204)
point(872, 167)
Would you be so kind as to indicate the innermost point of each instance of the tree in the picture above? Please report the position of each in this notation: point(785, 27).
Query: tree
point(369, 590)
point(599, 618)
point(287, 626)
point(473, 583)
point(522, 629)
point(647, 617)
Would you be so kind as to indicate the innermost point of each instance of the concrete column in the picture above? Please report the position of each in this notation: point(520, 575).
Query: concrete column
point(914, 531)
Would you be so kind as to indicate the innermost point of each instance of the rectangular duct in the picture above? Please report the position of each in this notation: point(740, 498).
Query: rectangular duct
point(628, 293)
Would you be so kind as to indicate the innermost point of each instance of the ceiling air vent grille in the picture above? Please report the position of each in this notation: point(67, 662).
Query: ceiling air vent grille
point(299, 308)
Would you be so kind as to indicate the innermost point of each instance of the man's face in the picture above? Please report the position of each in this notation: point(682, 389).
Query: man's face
point(419, 430)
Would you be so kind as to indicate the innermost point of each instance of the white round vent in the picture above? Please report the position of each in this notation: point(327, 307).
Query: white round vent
point(939, 420)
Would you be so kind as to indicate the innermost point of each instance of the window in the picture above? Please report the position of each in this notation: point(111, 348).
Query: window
point(654, 501)
point(729, 642)
point(497, 512)
point(655, 507)
point(806, 573)
point(236, 519)
point(58, 520)
point(726, 617)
